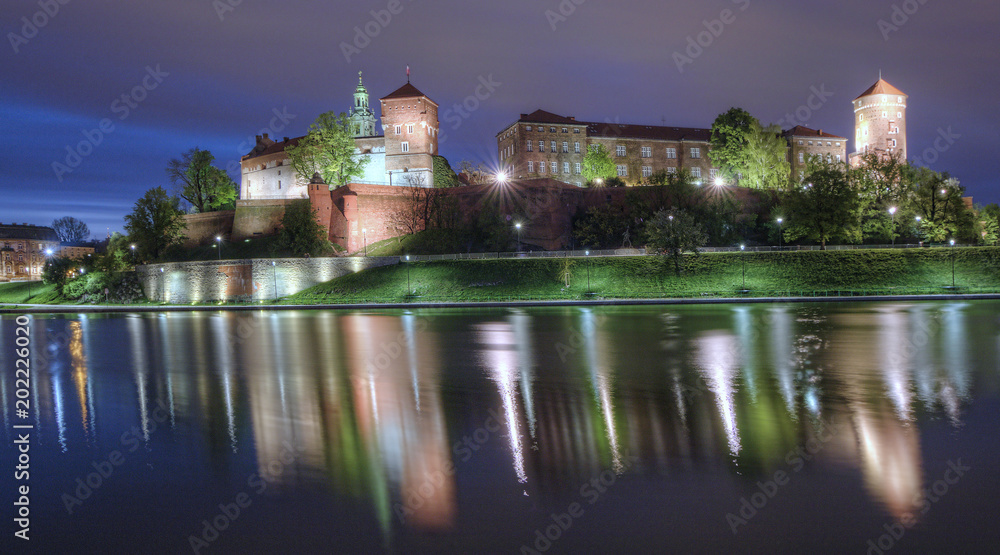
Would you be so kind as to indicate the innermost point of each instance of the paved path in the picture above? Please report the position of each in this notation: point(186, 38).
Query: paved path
point(73, 309)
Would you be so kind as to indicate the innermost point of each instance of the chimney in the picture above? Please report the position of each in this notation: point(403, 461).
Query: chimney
point(265, 136)
point(257, 138)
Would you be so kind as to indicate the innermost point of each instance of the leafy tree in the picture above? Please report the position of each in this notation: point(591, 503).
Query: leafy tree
point(729, 140)
point(444, 176)
point(155, 224)
point(937, 199)
point(300, 232)
point(329, 150)
point(71, 230)
point(602, 227)
point(201, 184)
point(117, 257)
point(824, 207)
point(58, 270)
point(989, 218)
point(764, 162)
point(476, 173)
point(671, 232)
point(597, 164)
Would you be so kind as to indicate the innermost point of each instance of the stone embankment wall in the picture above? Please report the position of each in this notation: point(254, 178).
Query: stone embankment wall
point(241, 280)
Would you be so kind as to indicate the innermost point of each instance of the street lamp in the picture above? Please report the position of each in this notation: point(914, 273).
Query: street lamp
point(953, 264)
point(218, 239)
point(518, 226)
point(274, 276)
point(587, 253)
point(779, 232)
point(892, 212)
point(407, 274)
point(744, 259)
point(917, 219)
point(364, 235)
point(719, 182)
point(502, 177)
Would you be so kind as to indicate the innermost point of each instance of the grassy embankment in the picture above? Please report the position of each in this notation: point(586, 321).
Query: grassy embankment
point(807, 273)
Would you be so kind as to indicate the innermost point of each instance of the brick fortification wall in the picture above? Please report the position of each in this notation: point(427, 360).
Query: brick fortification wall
point(203, 228)
point(238, 280)
point(256, 218)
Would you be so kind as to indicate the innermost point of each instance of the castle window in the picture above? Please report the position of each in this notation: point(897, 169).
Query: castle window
point(810, 143)
point(671, 170)
point(647, 152)
point(802, 157)
point(622, 170)
point(564, 130)
point(565, 146)
point(713, 173)
point(899, 115)
point(404, 146)
point(409, 128)
point(565, 167)
point(620, 150)
point(554, 149)
point(672, 153)
point(801, 141)
point(861, 117)
point(529, 146)
point(838, 158)
point(838, 144)
point(899, 99)
point(528, 128)
point(576, 147)
point(647, 171)
point(531, 167)
point(399, 129)
point(576, 130)
point(576, 168)
point(541, 167)
point(541, 146)
point(695, 172)
point(695, 153)
point(554, 167)
point(279, 183)
point(552, 129)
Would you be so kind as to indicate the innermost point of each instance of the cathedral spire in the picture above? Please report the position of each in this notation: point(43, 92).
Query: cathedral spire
point(362, 117)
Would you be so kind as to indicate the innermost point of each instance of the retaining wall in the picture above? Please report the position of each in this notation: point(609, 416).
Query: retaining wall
point(242, 280)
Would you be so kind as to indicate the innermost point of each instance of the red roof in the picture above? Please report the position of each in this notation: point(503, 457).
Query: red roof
point(881, 87)
point(406, 91)
point(274, 148)
point(800, 131)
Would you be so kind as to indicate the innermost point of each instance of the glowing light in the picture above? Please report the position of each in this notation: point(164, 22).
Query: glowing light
point(892, 210)
point(719, 182)
point(502, 178)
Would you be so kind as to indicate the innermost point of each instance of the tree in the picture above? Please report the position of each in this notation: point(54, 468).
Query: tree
point(329, 150)
point(71, 230)
point(671, 232)
point(300, 232)
point(155, 224)
point(444, 176)
point(201, 184)
point(729, 140)
point(765, 160)
point(937, 199)
point(597, 164)
point(824, 207)
point(989, 218)
point(476, 173)
point(58, 270)
point(883, 181)
point(602, 227)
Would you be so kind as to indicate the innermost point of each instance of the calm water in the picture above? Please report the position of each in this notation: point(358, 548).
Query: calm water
point(744, 428)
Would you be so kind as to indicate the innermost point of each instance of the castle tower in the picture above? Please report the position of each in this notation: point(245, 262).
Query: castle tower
point(362, 117)
point(880, 120)
point(410, 124)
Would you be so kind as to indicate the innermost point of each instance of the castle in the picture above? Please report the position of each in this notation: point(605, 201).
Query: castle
point(545, 145)
point(401, 156)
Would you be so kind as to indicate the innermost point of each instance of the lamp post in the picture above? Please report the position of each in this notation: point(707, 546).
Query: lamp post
point(364, 235)
point(779, 232)
point(952, 263)
point(518, 227)
point(587, 253)
point(274, 276)
point(407, 274)
point(744, 259)
point(218, 239)
point(892, 233)
point(132, 246)
point(917, 219)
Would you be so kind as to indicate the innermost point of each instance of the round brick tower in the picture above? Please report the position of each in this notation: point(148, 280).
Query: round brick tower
point(880, 120)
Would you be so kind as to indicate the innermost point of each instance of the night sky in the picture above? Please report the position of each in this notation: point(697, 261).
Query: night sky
point(220, 73)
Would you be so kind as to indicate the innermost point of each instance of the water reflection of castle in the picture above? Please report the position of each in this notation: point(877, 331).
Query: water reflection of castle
point(360, 395)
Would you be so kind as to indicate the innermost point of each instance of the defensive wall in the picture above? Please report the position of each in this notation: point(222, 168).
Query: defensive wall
point(203, 228)
point(258, 279)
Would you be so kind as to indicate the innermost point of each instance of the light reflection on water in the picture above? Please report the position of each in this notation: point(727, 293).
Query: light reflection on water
point(376, 406)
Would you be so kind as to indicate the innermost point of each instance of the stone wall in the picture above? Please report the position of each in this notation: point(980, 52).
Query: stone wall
point(257, 218)
point(241, 280)
point(203, 228)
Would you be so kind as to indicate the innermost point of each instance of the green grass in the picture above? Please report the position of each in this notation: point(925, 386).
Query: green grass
point(431, 241)
point(27, 292)
point(260, 247)
point(807, 273)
